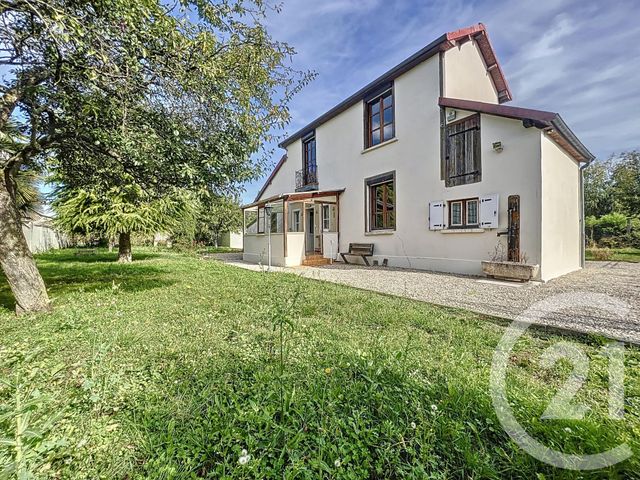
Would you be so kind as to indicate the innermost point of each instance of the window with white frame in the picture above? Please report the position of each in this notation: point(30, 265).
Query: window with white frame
point(463, 213)
point(325, 218)
point(295, 217)
point(329, 218)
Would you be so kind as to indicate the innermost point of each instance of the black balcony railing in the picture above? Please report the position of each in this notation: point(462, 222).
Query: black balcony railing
point(307, 177)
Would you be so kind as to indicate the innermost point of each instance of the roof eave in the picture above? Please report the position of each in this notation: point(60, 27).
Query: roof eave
point(550, 122)
point(271, 177)
point(559, 124)
point(415, 59)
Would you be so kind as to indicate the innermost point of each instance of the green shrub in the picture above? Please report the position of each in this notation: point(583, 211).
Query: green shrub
point(610, 231)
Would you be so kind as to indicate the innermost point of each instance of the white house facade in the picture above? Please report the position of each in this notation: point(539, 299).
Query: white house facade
point(429, 166)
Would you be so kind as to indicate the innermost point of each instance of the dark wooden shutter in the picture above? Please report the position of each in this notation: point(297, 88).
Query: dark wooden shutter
point(513, 251)
point(462, 156)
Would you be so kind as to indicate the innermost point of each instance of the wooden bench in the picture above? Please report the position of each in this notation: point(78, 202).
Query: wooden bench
point(362, 250)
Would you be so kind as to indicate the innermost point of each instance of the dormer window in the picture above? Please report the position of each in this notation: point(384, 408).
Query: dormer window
point(380, 126)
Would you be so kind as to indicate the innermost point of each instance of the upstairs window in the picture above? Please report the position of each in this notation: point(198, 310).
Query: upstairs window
point(463, 213)
point(382, 202)
point(309, 153)
point(380, 119)
point(462, 152)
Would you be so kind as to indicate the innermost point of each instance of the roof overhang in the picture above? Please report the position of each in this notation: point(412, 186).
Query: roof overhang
point(444, 42)
point(295, 197)
point(271, 177)
point(551, 123)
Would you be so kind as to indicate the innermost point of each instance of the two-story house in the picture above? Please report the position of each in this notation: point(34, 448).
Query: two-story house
point(427, 164)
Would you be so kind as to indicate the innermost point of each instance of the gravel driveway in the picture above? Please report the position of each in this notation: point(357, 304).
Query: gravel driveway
point(619, 281)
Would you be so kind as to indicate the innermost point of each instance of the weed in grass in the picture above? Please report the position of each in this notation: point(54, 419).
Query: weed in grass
point(28, 447)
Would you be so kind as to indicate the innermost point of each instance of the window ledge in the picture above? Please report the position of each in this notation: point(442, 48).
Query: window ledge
point(462, 230)
point(380, 145)
point(379, 232)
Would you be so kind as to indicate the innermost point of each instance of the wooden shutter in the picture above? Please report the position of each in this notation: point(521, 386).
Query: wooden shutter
point(436, 215)
point(462, 152)
point(489, 208)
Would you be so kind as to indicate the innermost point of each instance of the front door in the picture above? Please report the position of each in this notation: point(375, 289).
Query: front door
point(310, 229)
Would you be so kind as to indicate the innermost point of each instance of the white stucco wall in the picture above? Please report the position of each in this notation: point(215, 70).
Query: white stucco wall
point(560, 211)
point(285, 180)
point(256, 249)
point(295, 248)
point(231, 240)
point(330, 245)
point(465, 75)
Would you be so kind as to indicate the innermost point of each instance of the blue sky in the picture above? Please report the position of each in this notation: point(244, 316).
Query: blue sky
point(578, 58)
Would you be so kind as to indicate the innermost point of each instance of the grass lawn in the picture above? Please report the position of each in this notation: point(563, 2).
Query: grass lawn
point(170, 367)
point(219, 250)
point(619, 255)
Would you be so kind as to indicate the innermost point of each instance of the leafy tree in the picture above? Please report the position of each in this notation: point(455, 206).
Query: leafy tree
point(121, 211)
point(218, 216)
point(27, 195)
point(626, 183)
point(94, 83)
point(598, 192)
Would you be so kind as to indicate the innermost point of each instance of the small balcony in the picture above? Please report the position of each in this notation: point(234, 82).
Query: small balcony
point(307, 179)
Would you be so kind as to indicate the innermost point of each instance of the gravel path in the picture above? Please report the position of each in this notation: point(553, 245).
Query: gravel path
point(614, 288)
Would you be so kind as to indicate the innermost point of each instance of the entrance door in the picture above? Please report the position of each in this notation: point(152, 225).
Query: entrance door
point(310, 230)
point(513, 252)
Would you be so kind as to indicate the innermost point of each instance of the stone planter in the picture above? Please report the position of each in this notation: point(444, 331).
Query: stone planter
point(522, 272)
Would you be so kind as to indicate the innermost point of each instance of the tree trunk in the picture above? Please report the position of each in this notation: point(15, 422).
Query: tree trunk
point(15, 257)
point(124, 248)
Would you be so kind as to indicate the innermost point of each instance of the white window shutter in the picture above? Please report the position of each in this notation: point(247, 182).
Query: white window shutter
point(489, 209)
point(436, 215)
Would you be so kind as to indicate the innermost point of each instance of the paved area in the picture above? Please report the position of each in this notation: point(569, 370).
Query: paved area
point(603, 298)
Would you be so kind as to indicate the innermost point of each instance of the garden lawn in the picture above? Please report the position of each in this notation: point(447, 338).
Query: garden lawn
point(619, 255)
point(177, 367)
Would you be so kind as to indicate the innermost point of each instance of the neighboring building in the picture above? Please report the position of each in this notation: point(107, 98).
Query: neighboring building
point(231, 240)
point(41, 235)
point(426, 164)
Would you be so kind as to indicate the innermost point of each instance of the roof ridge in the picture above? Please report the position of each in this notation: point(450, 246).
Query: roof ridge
point(442, 43)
